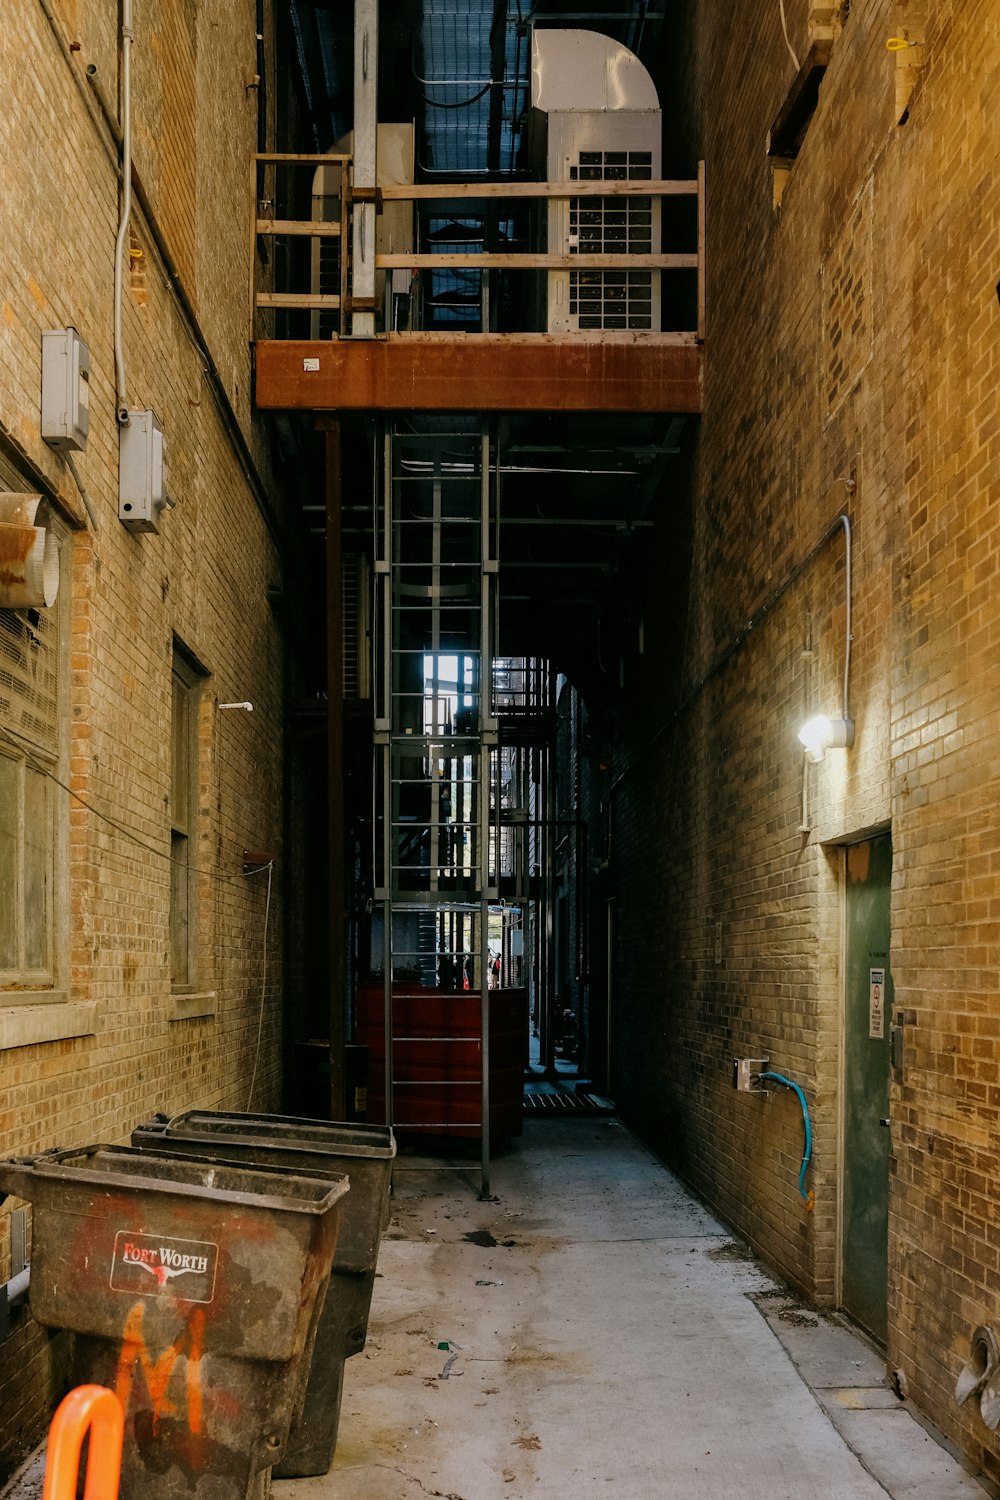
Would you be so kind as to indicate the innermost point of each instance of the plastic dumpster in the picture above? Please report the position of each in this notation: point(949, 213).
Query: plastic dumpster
point(194, 1291)
point(365, 1153)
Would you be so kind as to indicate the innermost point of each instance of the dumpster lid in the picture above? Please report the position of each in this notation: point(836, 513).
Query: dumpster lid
point(127, 1167)
point(341, 1138)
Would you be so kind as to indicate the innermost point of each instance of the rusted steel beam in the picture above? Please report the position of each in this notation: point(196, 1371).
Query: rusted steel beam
point(504, 372)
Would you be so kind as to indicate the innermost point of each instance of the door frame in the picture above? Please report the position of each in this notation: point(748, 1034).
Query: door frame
point(843, 846)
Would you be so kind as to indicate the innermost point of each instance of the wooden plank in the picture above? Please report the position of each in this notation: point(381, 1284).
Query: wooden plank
point(633, 188)
point(311, 227)
point(297, 299)
point(701, 252)
point(252, 268)
point(489, 372)
point(297, 156)
point(490, 261)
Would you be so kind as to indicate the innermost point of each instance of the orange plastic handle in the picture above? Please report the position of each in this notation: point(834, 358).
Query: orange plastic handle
point(93, 1409)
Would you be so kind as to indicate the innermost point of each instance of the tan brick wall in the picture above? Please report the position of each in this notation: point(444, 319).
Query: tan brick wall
point(203, 581)
point(852, 335)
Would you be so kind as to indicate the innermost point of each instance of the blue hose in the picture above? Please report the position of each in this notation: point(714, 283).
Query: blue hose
point(788, 1084)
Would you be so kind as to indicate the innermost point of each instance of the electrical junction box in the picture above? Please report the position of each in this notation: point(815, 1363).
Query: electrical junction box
point(65, 389)
point(142, 472)
point(746, 1073)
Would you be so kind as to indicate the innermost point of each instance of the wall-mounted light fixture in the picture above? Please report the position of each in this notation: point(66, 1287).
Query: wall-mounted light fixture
point(822, 732)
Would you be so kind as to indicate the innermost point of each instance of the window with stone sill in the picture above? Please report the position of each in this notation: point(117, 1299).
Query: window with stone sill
point(187, 679)
point(32, 814)
point(824, 23)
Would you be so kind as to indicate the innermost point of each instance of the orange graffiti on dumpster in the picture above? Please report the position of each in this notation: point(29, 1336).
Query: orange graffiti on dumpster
point(135, 1352)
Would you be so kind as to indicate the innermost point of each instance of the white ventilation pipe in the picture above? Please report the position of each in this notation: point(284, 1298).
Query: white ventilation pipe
point(29, 556)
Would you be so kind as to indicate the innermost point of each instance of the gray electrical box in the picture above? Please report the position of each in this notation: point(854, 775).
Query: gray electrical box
point(65, 389)
point(746, 1074)
point(142, 472)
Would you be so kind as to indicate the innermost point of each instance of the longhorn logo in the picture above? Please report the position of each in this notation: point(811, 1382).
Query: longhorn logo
point(162, 1272)
point(164, 1260)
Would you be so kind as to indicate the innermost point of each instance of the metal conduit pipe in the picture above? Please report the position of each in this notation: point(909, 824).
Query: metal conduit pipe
point(173, 278)
point(126, 205)
point(261, 81)
point(176, 287)
point(17, 1287)
point(847, 616)
point(737, 641)
point(13, 1293)
point(233, 427)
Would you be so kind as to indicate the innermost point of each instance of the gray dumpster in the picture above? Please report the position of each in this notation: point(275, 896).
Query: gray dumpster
point(365, 1153)
point(194, 1291)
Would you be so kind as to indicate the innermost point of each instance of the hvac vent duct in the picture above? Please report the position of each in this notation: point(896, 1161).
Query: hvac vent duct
point(595, 116)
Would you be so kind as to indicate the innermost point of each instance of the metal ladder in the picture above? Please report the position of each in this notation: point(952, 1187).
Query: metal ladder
point(436, 813)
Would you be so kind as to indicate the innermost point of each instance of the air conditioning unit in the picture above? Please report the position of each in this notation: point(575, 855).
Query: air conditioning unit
point(595, 118)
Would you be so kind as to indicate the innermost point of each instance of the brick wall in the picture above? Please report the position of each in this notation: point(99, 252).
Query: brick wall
point(118, 1043)
point(853, 337)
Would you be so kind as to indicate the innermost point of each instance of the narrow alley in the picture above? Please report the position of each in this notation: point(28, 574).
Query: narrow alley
point(499, 620)
point(594, 1331)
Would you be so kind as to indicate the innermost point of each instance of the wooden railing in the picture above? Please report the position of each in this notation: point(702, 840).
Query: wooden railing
point(285, 283)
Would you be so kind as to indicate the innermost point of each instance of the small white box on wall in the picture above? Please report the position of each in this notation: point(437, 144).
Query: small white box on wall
point(142, 472)
point(65, 419)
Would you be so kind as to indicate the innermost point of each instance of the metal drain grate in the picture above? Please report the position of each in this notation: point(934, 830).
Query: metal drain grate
point(565, 1103)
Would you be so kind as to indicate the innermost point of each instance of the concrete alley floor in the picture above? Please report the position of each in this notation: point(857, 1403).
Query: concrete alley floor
point(594, 1332)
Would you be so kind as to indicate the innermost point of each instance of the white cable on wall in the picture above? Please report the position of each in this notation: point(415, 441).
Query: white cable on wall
point(126, 213)
point(784, 27)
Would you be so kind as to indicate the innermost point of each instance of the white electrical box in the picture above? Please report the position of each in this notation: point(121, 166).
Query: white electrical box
point(142, 472)
point(65, 389)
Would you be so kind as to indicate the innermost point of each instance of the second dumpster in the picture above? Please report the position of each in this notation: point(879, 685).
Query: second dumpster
point(365, 1154)
point(193, 1290)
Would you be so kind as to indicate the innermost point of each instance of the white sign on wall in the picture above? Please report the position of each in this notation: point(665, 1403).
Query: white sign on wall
point(876, 1003)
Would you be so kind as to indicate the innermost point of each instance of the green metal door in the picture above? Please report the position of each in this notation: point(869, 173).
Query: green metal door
point(866, 1085)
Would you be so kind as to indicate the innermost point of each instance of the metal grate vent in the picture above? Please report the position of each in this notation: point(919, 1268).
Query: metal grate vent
point(563, 1102)
point(28, 673)
point(354, 576)
point(611, 226)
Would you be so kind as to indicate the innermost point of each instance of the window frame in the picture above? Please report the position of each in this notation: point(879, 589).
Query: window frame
point(26, 983)
point(187, 680)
